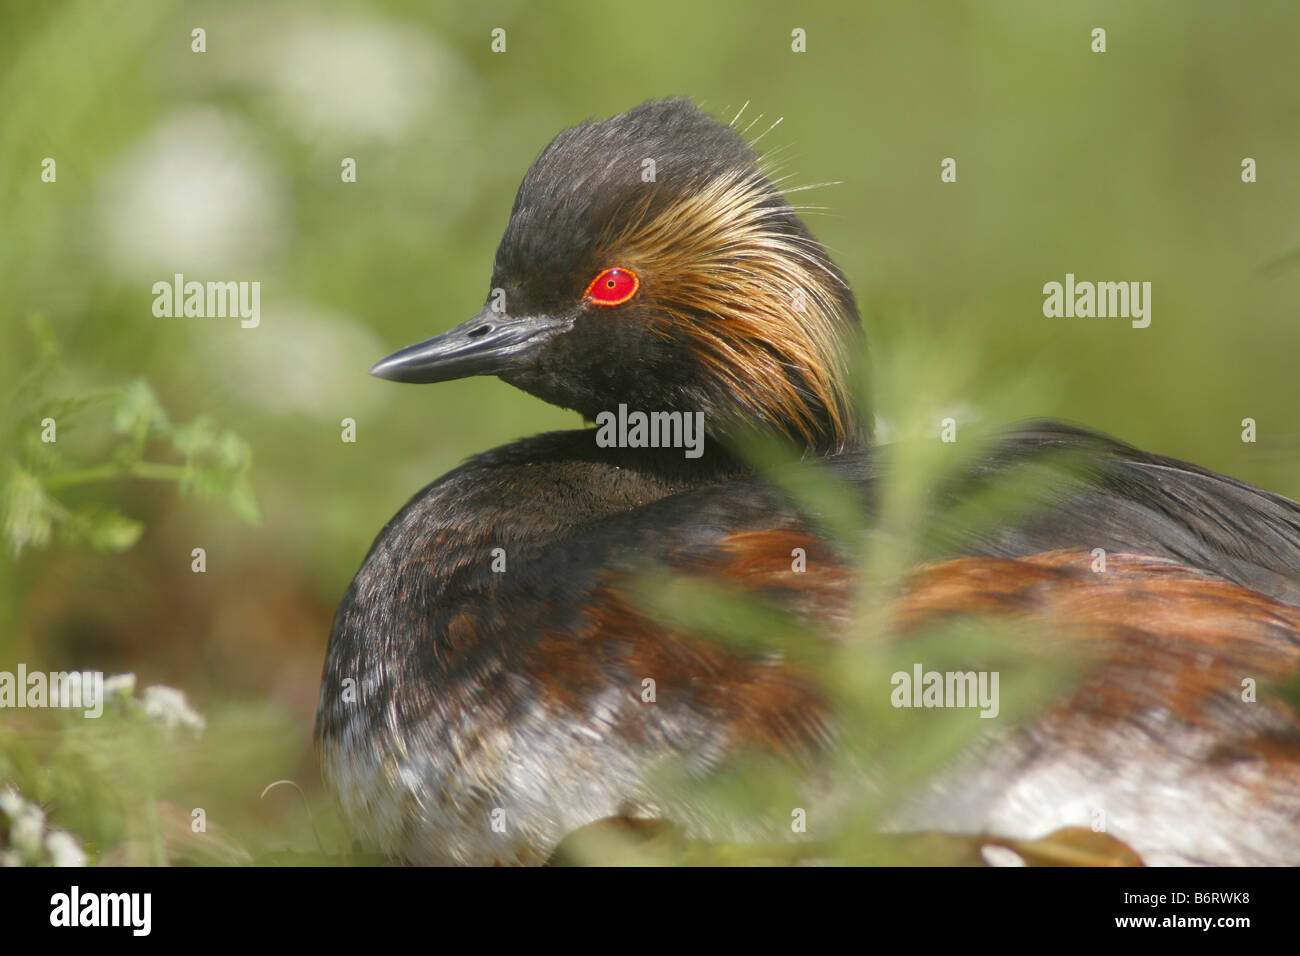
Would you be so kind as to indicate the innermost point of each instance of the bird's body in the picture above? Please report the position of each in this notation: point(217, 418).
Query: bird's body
point(483, 691)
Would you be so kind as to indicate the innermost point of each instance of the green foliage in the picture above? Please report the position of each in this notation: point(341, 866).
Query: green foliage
point(214, 463)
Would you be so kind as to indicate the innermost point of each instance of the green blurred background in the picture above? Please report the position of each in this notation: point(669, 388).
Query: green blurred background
point(225, 165)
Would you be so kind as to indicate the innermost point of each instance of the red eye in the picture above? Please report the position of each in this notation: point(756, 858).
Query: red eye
point(613, 287)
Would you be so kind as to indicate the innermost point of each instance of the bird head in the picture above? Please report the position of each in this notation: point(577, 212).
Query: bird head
point(650, 260)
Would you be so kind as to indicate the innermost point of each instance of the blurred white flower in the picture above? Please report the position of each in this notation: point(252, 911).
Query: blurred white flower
point(119, 685)
point(26, 824)
point(303, 360)
point(196, 196)
point(360, 78)
point(346, 79)
point(158, 702)
point(28, 840)
point(64, 850)
point(169, 707)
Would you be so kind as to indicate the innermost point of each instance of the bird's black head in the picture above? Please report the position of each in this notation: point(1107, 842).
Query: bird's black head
point(650, 261)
